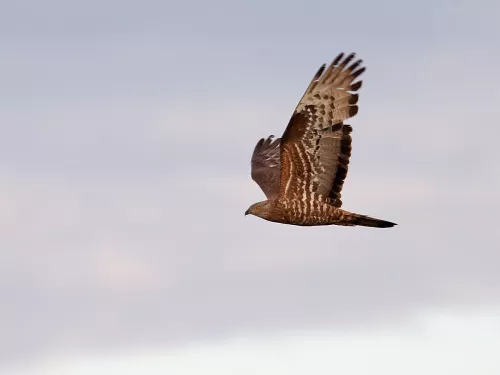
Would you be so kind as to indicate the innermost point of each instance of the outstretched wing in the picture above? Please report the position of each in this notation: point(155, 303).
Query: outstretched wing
point(316, 145)
point(266, 166)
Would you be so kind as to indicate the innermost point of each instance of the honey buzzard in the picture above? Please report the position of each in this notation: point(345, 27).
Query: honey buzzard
point(302, 173)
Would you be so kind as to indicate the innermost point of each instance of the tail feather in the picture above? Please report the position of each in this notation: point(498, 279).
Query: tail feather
point(367, 221)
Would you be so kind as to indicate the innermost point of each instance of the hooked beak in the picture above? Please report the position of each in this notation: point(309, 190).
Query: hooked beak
point(247, 212)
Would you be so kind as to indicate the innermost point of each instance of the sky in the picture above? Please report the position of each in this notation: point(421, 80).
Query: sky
point(127, 130)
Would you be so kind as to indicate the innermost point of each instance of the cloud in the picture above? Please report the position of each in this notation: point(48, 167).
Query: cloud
point(110, 262)
point(123, 273)
point(442, 342)
point(125, 175)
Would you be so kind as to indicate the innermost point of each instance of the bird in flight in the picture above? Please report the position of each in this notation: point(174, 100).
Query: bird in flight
point(302, 173)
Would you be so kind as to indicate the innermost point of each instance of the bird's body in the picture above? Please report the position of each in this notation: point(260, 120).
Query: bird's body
point(317, 211)
point(302, 173)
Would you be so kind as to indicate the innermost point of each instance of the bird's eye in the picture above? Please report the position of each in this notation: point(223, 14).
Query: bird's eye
point(257, 208)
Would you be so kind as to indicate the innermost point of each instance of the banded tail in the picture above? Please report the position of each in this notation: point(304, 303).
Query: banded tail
point(366, 221)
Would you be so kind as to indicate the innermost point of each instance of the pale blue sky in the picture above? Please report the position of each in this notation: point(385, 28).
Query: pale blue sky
point(127, 129)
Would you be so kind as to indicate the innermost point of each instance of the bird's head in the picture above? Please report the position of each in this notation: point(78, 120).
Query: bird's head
point(261, 209)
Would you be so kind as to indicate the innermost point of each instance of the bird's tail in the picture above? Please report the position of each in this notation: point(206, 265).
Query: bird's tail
point(366, 221)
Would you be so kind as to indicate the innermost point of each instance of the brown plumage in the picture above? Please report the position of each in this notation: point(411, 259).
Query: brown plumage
point(302, 173)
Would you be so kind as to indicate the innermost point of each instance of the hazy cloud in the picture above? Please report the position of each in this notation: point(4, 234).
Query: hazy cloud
point(124, 171)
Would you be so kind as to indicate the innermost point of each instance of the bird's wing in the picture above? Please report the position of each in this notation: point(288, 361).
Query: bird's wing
point(316, 145)
point(266, 166)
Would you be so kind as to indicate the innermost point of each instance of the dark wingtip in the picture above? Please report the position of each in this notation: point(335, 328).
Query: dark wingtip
point(320, 71)
point(337, 59)
point(259, 143)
